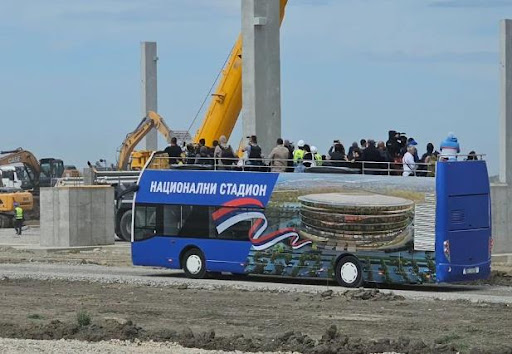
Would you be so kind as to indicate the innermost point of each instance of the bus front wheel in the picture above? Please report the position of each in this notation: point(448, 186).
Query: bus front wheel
point(125, 226)
point(348, 272)
point(194, 264)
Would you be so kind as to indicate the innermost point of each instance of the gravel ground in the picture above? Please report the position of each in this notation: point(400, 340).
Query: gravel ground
point(30, 236)
point(16, 346)
point(160, 277)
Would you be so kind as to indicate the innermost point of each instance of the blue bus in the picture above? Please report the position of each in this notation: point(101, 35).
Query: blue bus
point(347, 227)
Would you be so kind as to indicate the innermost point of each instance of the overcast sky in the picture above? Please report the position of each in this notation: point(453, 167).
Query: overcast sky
point(351, 69)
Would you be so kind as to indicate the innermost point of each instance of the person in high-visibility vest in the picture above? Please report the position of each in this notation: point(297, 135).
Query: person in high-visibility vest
point(298, 154)
point(18, 218)
point(316, 156)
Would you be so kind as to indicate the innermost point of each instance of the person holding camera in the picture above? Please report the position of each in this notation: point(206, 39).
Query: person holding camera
point(333, 150)
point(396, 142)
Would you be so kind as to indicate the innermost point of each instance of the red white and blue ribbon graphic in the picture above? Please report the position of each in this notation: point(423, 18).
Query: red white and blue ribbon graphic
point(238, 210)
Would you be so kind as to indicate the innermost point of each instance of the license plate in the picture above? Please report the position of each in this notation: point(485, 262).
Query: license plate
point(474, 270)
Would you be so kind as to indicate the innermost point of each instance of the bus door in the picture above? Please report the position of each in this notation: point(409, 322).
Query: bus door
point(463, 221)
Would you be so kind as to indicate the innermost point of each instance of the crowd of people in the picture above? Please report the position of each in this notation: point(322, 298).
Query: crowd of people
point(397, 156)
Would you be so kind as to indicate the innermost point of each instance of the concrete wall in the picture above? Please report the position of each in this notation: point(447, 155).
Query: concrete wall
point(501, 194)
point(77, 216)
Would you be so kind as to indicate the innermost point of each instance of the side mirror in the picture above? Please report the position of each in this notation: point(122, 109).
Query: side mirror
point(131, 189)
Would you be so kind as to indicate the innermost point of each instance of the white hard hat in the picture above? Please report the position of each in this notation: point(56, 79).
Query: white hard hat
point(314, 149)
point(300, 143)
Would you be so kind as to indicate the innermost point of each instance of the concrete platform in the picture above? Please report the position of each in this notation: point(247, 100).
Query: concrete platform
point(502, 258)
point(77, 216)
point(29, 241)
point(30, 236)
point(118, 246)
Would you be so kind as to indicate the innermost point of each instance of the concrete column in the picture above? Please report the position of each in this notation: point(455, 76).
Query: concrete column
point(506, 101)
point(501, 193)
point(261, 72)
point(149, 87)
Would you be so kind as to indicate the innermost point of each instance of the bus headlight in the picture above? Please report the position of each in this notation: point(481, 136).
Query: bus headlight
point(446, 250)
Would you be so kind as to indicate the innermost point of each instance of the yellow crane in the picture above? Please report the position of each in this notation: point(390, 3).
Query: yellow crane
point(225, 107)
point(220, 118)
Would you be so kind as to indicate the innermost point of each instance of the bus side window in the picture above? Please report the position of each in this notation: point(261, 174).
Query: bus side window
point(145, 222)
point(172, 220)
point(196, 222)
point(238, 231)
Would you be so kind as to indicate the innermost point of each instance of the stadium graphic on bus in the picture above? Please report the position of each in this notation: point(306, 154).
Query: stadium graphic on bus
point(349, 228)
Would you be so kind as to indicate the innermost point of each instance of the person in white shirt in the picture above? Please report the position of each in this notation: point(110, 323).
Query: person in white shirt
point(409, 165)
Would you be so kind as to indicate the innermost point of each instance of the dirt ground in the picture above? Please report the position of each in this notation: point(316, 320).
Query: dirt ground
point(227, 319)
point(119, 256)
point(362, 321)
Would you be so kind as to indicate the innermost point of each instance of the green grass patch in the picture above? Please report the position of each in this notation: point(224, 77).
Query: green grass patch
point(35, 316)
point(83, 318)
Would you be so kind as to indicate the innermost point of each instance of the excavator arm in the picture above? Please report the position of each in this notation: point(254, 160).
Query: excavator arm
point(160, 125)
point(225, 107)
point(152, 120)
point(27, 159)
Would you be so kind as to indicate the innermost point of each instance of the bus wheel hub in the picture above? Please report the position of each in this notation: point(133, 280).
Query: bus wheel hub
point(349, 272)
point(194, 264)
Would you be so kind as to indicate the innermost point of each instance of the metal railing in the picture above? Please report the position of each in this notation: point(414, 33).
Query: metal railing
point(289, 165)
point(383, 168)
point(102, 177)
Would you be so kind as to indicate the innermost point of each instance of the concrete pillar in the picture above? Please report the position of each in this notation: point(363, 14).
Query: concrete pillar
point(501, 193)
point(77, 216)
point(261, 72)
point(506, 101)
point(149, 87)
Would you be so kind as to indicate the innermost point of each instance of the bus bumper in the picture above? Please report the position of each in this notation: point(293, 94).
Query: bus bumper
point(446, 273)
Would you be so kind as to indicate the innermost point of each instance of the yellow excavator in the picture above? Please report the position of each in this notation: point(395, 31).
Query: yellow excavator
point(225, 108)
point(137, 159)
point(35, 174)
point(31, 167)
point(38, 173)
point(8, 195)
point(7, 199)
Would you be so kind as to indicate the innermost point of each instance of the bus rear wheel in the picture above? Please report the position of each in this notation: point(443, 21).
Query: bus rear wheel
point(194, 264)
point(348, 272)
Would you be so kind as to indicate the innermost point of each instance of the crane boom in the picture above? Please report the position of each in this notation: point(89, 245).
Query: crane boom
point(225, 107)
